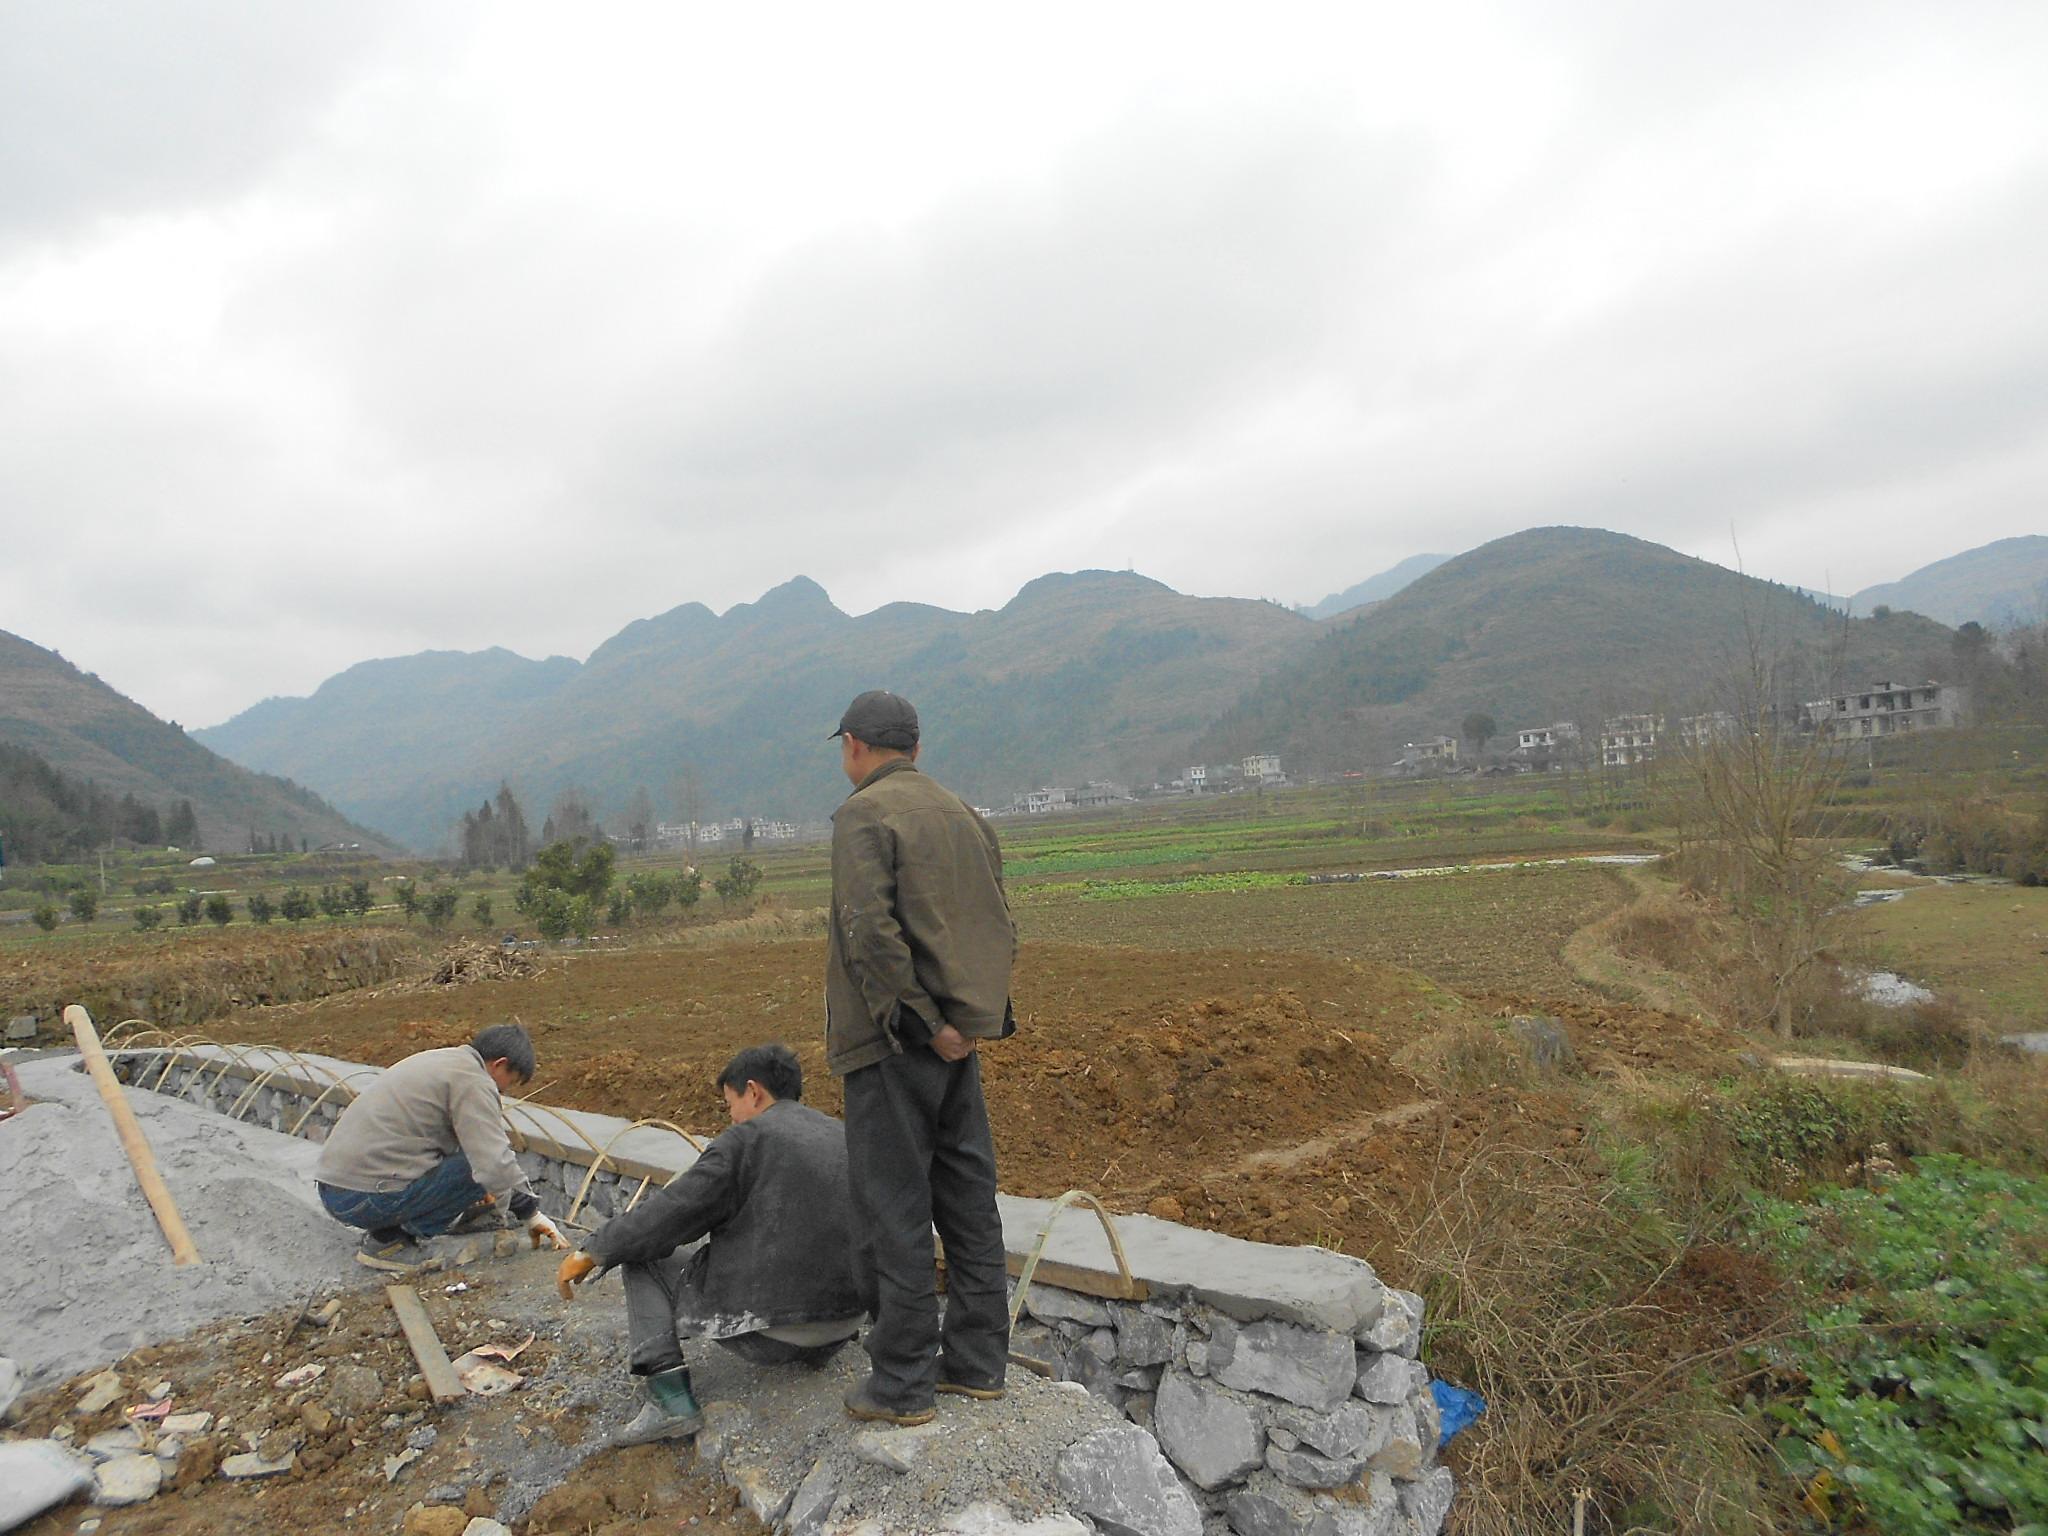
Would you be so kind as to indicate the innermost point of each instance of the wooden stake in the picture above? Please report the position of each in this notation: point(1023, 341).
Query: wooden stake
point(132, 1140)
point(442, 1383)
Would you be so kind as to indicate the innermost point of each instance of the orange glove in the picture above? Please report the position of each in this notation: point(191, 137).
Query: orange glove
point(575, 1269)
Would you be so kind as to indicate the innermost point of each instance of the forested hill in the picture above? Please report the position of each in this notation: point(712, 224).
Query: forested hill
point(1998, 583)
point(89, 735)
point(1546, 625)
point(1095, 674)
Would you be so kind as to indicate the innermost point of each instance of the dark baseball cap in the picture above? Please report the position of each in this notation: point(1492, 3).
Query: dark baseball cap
point(881, 719)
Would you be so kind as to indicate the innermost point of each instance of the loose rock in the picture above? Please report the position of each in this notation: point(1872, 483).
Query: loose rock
point(249, 1464)
point(1402, 1455)
point(1118, 1478)
point(435, 1520)
point(894, 1450)
point(811, 1505)
point(129, 1479)
point(1428, 1499)
point(100, 1394)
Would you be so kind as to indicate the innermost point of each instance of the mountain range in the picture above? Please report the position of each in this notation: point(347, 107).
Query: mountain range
point(2002, 582)
point(1375, 589)
point(88, 732)
point(1554, 624)
point(1090, 675)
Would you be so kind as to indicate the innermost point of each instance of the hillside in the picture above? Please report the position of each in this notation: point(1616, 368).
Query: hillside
point(89, 733)
point(1095, 674)
point(1545, 625)
point(1998, 583)
point(1375, 589)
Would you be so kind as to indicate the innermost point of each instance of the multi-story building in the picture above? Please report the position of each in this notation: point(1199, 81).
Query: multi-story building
point(1889, 709)
point(1431, 754)
point(1698, 730)
point(1626, 740)
point(1197, 779)
point(1263, 768)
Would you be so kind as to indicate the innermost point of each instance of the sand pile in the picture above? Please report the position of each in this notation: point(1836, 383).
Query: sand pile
point(88, 1275)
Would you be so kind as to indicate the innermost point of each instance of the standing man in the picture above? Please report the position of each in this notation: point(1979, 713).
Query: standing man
point(917, 973)
point(424, 1148)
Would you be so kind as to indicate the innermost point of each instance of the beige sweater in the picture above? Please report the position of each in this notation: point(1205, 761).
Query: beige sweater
point(414, 1116)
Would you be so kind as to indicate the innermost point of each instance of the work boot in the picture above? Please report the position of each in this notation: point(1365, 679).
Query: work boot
point(484, 1216)
point(671, 1412)
point(985, 1394)
point(863, 1403)
point(391, 1249)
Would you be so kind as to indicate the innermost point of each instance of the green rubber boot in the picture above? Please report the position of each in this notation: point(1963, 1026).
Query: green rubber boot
point(671, 1412)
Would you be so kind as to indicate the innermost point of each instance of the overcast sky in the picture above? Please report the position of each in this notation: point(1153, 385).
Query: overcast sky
point(330, 331)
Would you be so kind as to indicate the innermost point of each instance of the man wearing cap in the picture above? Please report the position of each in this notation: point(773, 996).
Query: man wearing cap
point(917, 973)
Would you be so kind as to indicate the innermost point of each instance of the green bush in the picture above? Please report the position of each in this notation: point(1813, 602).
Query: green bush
point(1924, 1402)
point(333, 901)
point(44, 916)
point(650, 893)
point(439, 908)
point(557, 914)
point(481, 909)
point(295, 905)
point(359, 898)
point(261, 908)
point(85, 904)
point(149, 918)
point(219, 910)
point(191, 908)
point(737, 885)
point(618, 909)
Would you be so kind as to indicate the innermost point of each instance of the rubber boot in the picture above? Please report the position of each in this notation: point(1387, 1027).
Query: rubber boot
point(671, 1412)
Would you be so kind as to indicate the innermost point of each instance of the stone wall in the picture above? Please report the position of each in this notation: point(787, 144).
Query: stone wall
point(1282, 1384)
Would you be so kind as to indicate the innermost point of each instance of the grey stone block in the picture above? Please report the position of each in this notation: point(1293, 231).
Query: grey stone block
point(1402, 1455)
point(1353, 1429)
point(1144, 1378)
point(1303, 1365)
point(1265, 1506)
point(1101, 1343)
point(1247, 1281)
point(21, 1027)
point(765, 1489)
point(1398, 1327)
point(1305, 1469)
point(1429, 1419)
point(1142, 1338)
point(1427, 1500)
point(1118, 1478)
point(1050, 1304)
point(1035, 1341)
point(1388, 1379)
point(1213, 1435)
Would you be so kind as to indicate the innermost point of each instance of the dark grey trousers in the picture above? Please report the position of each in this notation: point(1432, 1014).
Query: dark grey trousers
point(919, 1154)
point(658, 1294)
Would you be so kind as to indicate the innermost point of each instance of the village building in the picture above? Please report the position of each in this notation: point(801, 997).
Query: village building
point(1889, 709)
point(1431, 754)
point(1263, 769)
point(1626, 740)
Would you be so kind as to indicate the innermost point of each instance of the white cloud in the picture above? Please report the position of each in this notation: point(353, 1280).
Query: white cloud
point(339, 331)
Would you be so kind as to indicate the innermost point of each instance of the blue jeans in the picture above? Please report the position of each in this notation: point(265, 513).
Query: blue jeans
point(426, 1207)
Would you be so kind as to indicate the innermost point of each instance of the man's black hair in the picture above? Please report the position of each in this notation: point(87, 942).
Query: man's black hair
point(774, 1067)
point(510, 1041)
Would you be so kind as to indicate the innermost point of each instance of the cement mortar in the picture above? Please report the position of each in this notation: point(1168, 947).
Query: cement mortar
point(88, 1275)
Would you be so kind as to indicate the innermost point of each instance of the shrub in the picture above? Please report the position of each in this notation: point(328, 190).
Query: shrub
point(191, 907)
point(295, 905)
point(359, 901)
point(439, 908)
point(409, 898)
point(557, 914)
point(85, 904)
point(650, 893)
point(737, 885)
point(333, 901)
point(261, 908)
point(687, 887)
point(618, 909)
point(148, 918)
point(44, 916)
point(219, 910)
point(481, 909)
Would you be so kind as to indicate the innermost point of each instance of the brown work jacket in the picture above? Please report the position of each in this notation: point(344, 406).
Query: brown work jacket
point(919, 920)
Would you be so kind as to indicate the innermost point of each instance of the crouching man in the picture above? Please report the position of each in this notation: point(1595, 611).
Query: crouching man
point(423, 1150)
point(773, 1283)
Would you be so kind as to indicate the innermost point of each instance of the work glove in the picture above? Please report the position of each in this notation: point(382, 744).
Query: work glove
point(544, 1232)
point(575, 1269)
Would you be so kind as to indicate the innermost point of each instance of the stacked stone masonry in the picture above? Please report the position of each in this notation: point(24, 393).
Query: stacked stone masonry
point(1282, 1385)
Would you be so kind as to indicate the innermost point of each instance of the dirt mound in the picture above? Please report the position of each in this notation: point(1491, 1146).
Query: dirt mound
point(477, 961)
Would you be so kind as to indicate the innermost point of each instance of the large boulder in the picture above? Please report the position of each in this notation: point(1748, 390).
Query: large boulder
point(1213, 1435)
point(1118, 1478)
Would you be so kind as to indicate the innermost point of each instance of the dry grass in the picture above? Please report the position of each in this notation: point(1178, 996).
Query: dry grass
point(1561, 1291)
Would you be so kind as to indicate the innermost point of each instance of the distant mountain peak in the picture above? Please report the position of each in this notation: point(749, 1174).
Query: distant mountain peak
point(797, 598)
point(1064, 583)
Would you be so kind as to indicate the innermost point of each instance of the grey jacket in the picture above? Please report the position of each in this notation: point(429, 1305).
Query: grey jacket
point(920, 925)
point(771, 1195)
point(417, 1114)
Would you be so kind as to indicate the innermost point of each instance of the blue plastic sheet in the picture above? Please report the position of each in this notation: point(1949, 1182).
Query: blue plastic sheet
point(1456, 1407)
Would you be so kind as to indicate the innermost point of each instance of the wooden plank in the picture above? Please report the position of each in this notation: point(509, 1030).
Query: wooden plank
point(442, 1383)
point(1087, 1282)
point(133, 1142)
